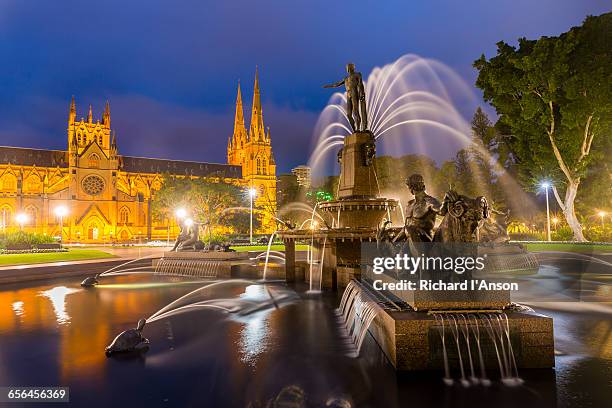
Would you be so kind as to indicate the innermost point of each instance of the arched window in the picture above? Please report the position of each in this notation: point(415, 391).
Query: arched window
point(264, 165)
point(6, 216)
point(259, 166)
point(94, 161)
point(32, 184)
point(124, 215)
point(9, 182)
point(31, 213)
point(80, 137)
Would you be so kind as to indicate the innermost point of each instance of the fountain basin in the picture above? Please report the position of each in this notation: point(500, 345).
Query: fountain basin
point(411, 340)
point(358, 212)
point(212, 264)
point(337, 253)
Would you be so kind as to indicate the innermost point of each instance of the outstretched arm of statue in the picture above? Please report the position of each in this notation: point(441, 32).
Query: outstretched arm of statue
point(335, 84)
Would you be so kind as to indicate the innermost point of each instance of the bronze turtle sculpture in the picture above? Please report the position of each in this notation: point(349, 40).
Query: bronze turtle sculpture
point(130, 340)
point(90, 282)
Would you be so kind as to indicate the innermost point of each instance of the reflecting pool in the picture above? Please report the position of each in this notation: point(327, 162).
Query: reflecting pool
point(54, 333)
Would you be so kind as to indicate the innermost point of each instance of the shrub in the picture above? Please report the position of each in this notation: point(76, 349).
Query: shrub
point(24, 238)
point(563, 233)
point(215, 238)
point(528, 236)
point(599, 233)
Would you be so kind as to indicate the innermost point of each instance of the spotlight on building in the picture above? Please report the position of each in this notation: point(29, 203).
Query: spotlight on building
point(180, 213)
point(189, 222)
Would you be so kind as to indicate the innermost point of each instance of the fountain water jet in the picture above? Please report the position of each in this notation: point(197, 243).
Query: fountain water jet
point(397, 103)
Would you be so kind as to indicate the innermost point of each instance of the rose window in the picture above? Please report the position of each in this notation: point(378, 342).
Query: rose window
point(93, 184)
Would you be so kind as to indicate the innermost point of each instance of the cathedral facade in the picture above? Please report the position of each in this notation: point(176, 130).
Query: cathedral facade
point(107, 195)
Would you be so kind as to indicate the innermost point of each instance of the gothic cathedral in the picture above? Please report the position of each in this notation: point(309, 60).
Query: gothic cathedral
point(108, 195)
point(253, 151)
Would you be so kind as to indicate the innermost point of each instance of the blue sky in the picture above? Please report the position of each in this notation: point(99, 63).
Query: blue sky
point(170, 69)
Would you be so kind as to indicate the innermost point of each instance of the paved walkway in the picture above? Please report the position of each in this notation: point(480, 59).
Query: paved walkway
point(86, 267)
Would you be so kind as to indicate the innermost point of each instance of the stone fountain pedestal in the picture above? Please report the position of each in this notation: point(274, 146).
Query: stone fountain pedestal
point(355, 217)
point(409, 337)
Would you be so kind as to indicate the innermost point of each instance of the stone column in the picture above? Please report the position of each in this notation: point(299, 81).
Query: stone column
point(329, 265)
point(290, 260)
point(149, 223)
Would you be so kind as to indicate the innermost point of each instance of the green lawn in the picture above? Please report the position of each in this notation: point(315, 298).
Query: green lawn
point(265, 248)
point(568, 247)
point(71, 255)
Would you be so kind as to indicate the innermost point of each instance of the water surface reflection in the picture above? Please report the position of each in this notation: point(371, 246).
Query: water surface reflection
point(55, 334)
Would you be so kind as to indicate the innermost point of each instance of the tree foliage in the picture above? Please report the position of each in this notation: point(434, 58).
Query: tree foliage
point(554, 96)
point(240, 220)
point(205, 201)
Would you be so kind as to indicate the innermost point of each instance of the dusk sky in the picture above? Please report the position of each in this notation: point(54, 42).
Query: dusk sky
point(170, 69)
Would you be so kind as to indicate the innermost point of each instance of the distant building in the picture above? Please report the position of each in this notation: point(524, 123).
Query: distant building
point(302, 173)
point(108, 195)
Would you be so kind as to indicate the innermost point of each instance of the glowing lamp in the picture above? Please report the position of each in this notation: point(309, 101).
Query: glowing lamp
point(61, 211)
point(21, 218)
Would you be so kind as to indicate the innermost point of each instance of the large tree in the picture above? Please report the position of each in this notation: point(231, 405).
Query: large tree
point(206, 201)
point(554, 94)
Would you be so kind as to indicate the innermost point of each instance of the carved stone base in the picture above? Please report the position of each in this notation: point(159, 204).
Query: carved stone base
point(357, 176)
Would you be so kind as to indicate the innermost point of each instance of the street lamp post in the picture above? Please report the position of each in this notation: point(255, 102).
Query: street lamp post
point(546, 184)
point(21, 219)
point(61, 211)
point(180, 213)
point(252, 194)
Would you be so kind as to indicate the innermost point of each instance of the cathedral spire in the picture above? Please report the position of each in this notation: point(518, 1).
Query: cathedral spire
point(239, 136)
point(257, 131)
point(90, 115)
point(72, 113)
point(113, 145)
point(106, 116)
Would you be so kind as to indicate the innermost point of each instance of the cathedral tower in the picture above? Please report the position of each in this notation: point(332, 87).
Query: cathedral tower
point(253, 151)
point(87, 131)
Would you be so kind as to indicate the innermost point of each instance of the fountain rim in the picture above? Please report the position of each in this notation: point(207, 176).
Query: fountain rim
point(359, 204)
